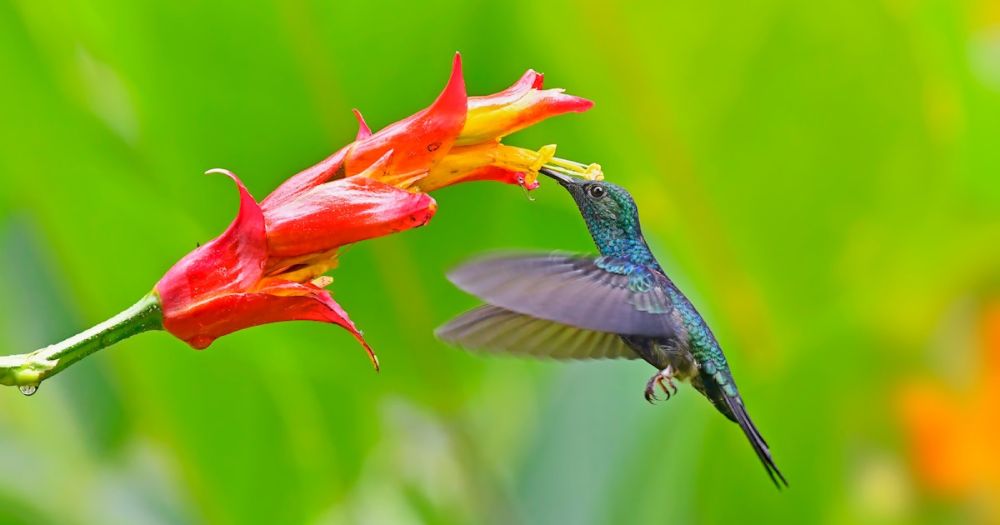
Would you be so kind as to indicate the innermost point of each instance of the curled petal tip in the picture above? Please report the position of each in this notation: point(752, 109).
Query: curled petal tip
point(246, 198)
point(368, 349)
point(229, 263)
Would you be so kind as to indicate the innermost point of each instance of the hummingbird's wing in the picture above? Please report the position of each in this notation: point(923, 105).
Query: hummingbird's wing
point(599, 294)
point(496, 330)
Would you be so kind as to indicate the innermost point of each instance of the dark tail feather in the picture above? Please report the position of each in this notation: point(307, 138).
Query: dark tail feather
point(742, 418)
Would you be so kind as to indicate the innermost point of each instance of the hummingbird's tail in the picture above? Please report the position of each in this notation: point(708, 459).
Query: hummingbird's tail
point(739, 410)
point(731, 405)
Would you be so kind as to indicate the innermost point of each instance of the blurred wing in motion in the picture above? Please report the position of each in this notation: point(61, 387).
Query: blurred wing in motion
point(495, 330)
point(571, 290)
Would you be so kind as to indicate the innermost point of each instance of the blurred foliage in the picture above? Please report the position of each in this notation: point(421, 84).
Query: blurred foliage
point(823, 179)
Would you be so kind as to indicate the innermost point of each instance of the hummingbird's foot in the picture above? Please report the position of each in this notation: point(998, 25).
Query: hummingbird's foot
point(664, 378)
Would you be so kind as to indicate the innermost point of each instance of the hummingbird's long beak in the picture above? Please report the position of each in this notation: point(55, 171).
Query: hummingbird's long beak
point(563, 180)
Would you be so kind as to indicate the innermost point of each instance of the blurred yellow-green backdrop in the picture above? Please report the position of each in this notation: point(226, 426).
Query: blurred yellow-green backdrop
point(823, 179)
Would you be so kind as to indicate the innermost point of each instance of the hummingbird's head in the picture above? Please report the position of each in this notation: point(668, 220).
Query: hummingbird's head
point(609, 210)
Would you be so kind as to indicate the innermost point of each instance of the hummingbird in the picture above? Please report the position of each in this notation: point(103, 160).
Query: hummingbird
point(620, 304)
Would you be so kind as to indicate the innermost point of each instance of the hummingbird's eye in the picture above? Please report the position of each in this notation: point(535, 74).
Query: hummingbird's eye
point(597, 191)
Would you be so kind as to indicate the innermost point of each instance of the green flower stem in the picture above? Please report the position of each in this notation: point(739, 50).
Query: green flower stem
point(28, 370)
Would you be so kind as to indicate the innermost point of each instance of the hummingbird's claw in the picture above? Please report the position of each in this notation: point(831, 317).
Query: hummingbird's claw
point(650, 394)
point(664, 378)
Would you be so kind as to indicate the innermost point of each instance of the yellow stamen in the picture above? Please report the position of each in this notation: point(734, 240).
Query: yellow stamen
point(463, 160)
point(524, 160)
point(576, 169)
point(303, 269)
point(521, 159)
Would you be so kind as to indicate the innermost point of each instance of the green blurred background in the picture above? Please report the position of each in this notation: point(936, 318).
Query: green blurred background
point(822, 180)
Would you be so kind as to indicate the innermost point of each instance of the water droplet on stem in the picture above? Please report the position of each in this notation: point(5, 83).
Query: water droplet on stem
point(28, 389)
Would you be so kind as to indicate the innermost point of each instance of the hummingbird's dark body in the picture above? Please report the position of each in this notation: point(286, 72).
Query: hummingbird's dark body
point(621, 304)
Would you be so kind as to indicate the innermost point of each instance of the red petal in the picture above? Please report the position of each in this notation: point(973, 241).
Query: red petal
point(549, 103)
point(500, 115)
point(539, 79)
point(517, 107)
point(342, 212)
point(201, 324)
point(531, 79)
point(231, 261)
point(420, 140)
point(363, 130)
point(309, 178)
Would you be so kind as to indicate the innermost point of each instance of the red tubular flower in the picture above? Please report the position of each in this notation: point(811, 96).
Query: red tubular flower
point(478, 153)
point(455, 139)
point(269, 265)
point(417, 143)
point(253, 275)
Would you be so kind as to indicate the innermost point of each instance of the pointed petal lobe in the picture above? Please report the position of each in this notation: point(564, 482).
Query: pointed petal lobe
point(420, 140)
point(363, 130)
point(231, 261)
point(205, 322)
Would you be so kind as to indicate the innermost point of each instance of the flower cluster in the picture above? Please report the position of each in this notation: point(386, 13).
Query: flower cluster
point(270, 264)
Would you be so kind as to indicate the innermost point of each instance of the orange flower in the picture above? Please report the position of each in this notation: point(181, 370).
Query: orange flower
point(953, 433)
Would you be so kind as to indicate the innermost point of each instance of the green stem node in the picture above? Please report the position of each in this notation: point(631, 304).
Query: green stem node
point(28, 370)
